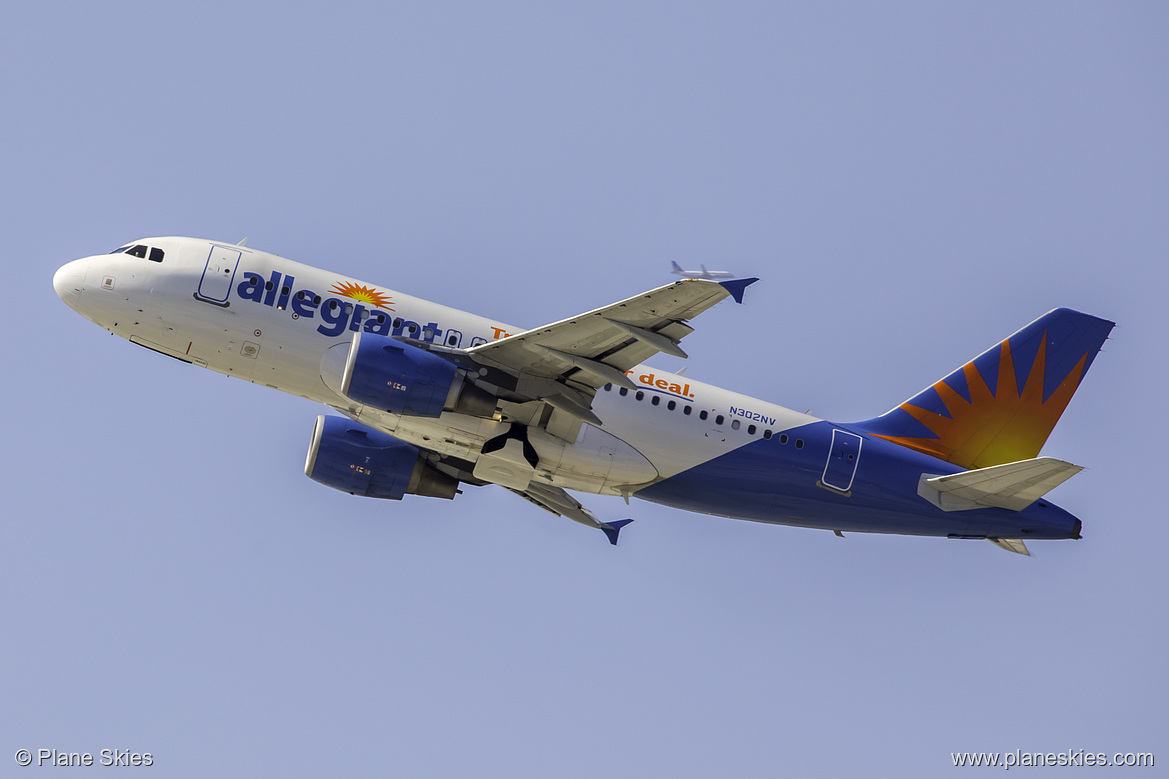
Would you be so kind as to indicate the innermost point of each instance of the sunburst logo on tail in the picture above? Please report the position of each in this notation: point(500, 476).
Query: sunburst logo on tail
point(996, 426)
point(363, 294)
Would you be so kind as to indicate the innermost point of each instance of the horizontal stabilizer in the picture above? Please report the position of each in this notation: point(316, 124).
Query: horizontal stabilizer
point(1015, 545)
point(1013, 486)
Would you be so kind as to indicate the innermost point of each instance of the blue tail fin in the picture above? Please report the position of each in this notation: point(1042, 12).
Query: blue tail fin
point(1001, 406)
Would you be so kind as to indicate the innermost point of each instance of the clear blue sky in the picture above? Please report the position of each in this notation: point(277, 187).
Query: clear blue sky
point(912, 182)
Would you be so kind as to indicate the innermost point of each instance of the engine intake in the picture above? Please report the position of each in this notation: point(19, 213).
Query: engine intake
point(353, 458)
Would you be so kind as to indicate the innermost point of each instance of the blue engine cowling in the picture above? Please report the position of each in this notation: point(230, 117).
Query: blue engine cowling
point(353, 458)
point(397, 377)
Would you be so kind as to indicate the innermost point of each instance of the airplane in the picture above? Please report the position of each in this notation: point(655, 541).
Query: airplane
point(429, 399)
point(700, 274)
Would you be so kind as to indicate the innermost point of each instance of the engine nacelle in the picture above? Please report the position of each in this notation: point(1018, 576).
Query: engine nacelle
point(388, 374)
point(353, 458)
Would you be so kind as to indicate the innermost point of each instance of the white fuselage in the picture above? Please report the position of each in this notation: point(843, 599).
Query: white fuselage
point(273, 321)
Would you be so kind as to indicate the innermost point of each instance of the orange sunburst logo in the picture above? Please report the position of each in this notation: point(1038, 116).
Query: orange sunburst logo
point(994, 427)
point(363, 294)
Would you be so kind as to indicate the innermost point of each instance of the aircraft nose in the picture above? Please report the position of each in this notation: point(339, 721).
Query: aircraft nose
point(69, 282)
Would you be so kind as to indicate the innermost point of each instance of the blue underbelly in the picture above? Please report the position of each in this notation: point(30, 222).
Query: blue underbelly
point(774, 482)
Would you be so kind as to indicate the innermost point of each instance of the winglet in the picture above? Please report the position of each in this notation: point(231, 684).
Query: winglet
point(737, 286)
point(612, 529)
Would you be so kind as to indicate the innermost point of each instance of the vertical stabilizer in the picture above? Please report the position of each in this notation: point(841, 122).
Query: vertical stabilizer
point(1001, 406)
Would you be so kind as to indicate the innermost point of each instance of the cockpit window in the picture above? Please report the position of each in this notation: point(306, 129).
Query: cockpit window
point(152, 253)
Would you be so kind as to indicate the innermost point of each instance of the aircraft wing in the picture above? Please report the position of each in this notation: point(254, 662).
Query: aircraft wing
point(547, 377)
point(560, 503)
point(564, 363)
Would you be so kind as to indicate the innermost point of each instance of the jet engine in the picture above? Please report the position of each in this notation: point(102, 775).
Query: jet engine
point(398, 377)
point(355, 459)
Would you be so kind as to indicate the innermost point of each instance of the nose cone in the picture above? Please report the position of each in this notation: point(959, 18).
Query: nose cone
point(69, 281)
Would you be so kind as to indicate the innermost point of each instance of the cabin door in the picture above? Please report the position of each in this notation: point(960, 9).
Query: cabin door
point(843, 457)
point(215, 285)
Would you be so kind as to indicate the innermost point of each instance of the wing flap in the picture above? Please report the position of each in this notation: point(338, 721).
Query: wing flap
point(1013, 486)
